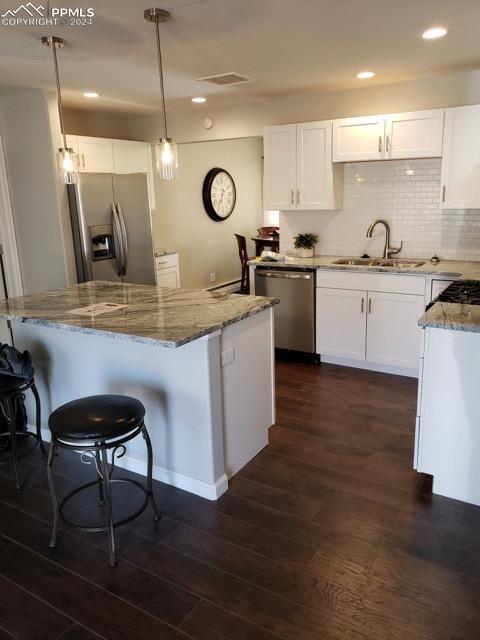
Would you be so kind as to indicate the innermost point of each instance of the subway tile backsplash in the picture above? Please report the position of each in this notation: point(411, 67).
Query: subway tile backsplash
point(406, 193)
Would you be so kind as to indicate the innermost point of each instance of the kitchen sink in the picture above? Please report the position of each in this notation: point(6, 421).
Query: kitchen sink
point(380, 262)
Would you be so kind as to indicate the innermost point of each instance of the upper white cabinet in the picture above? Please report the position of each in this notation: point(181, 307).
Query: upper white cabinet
point(356, 139)
point(461, 159)
point(280, 167)
point(417, 134)
point(105, 155)
point(298, 173)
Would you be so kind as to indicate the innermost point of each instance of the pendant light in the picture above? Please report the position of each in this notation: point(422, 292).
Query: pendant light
point(66, 157)
point(166, 151)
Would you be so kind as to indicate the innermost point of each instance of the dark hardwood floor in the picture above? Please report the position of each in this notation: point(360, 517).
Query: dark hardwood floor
point(328, 534)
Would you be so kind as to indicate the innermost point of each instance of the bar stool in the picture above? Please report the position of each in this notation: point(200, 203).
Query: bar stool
point(95, 425)
point(12, 389)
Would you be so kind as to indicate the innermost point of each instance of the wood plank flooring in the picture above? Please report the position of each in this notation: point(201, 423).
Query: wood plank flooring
point(328, 534)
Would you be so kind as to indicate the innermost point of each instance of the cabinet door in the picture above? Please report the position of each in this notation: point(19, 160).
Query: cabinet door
point(461, 159)
point(341, 323)
point(315, 189)
point(393, 334)
point(417, 134)
point(356, 139)
point(168, 278)
point(280, 167)
point(95, 155)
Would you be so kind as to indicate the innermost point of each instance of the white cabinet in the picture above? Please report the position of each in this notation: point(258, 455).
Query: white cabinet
point(461, 159)
point(393, 334)
point(95, 155)
point(298, 170)
point(356, 139)
point(370, 320)
point(416, 134)
point(341, 323)
point(167, 271)
point(280, 167)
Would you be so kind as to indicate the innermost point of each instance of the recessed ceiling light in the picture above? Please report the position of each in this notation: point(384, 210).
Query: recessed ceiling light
point(434, 32)
point(91, 94)
point(199, 100)
point(364, 75)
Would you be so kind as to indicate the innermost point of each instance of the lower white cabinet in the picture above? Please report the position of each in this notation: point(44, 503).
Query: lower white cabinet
point(341, 323)
point(359, 324)
point(167, 271)
point(393, 334)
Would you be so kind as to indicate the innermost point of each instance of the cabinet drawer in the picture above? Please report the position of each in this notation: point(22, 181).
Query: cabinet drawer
point(386, 282)
point(164, 262)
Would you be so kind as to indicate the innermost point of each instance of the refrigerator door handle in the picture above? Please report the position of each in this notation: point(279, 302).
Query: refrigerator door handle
point(117, 239)
point(123, 227)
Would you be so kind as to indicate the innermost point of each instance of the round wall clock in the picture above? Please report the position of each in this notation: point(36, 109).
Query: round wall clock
point(219, 194)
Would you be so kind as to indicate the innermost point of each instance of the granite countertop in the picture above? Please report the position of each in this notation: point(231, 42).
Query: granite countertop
point(154, 315)
point(453, 316)
point(445, 268)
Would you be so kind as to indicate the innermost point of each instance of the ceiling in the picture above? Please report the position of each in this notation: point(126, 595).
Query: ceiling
point(288, 46)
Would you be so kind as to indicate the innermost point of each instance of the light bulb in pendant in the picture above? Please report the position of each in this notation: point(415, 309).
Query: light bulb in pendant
point(67, 168)
point(167, 160)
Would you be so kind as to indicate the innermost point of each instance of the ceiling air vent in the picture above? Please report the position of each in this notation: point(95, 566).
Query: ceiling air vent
point(225, 79)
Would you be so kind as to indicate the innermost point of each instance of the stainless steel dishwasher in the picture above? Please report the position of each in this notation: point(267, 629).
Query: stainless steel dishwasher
point(295, 315)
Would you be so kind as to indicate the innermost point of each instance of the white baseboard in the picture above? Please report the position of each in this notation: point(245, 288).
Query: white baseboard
point(370, 366)
point(192, 485)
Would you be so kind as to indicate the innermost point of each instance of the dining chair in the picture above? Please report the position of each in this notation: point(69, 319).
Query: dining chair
point(242, 252)
point(266, 232)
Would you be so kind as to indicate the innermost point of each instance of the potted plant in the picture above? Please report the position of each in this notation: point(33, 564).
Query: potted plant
point(305, 243)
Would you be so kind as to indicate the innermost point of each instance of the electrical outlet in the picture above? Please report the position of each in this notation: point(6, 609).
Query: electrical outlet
point(213, 276)
point(228, 357)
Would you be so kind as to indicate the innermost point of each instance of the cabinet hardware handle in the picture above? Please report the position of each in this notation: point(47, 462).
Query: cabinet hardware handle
point(298, 196)
point(369, 305)
point(83, 160)
point(388, 144)
point(363, 305)
point(444, 192)
point(379, 144)
point(293, 197)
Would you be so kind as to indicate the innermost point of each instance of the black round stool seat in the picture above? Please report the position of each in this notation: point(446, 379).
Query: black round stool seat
point(96, 418)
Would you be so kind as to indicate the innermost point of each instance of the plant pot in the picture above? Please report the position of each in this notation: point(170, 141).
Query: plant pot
point(304, 253)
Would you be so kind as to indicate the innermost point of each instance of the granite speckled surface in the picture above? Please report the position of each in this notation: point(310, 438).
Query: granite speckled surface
point(155, 315)
point(449, 315)
point(445, 268)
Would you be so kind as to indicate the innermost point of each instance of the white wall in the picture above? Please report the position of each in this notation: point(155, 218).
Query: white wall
point(30, 131)
point(100, 124)
point(249, 119)
point(406, 193)
point(180, 221)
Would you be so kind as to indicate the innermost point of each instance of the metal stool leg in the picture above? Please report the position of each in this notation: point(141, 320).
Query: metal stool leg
point(101, 492)
point(9, 410)
point(38, 419)
point(146, 437)
point(108, 504)
point(53, 494)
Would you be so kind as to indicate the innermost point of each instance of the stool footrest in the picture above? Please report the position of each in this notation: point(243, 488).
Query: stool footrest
point(116, 523)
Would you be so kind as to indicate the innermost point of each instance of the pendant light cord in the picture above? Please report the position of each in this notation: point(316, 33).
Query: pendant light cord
point(160, 75)
point(59, 94)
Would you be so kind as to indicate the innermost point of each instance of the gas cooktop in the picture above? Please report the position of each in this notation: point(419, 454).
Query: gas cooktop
point(462, 292)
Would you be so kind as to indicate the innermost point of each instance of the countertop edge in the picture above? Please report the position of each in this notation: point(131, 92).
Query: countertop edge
point(171, 344)
point(452, 317)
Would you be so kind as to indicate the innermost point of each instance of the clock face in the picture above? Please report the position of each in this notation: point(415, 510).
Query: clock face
point(219, 194)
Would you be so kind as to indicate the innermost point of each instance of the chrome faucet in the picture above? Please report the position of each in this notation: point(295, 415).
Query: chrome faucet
point(388, 251)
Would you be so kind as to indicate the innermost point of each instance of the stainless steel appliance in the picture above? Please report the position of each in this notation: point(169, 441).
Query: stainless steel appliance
point(112, 228)
point(295, 315)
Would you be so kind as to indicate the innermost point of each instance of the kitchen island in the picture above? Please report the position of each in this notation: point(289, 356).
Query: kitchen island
point(202, 364)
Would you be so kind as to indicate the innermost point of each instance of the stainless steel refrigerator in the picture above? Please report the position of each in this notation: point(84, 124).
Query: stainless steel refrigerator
point(112, 228)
